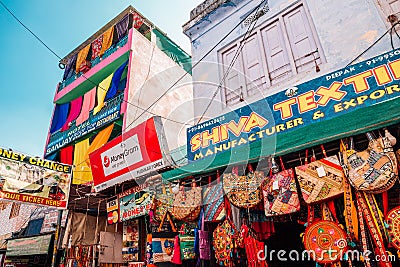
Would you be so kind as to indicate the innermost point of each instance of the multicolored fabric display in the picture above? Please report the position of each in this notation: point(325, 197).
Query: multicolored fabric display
point(122, 27)
point(223, 241)
point(107, 40)
point(74, 111)
point(89, 101)
point(213, 200)
point(137, 20)
point(81, 62)
point(59, 117)
point(254, 249)
point(70, 67)
point(243, 191)
point(102, 90)
point(112, 91)
point(373, 170)
point(82, 173)
point(280, 193)
point(320, 180)
point(100, 140)
point(393, 221)
point(96, 46)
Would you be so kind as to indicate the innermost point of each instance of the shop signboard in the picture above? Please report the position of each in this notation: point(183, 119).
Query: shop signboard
point(112, 210)
point(107, 115)
point(364, 84)
point(29, 246)
point(135, 202)
point(33, 180)
point(138, 152)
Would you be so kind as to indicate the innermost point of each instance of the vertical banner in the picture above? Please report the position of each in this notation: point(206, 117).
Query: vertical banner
point(34, 180)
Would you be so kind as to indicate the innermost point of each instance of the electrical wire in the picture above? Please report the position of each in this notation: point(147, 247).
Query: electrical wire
point(235, 57)
point(197, 63)
point(373, 44)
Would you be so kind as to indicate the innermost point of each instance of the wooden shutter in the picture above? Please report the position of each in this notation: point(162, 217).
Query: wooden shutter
point(233, 84)
point(253, 68)
point(276, 53)
point(302, 43)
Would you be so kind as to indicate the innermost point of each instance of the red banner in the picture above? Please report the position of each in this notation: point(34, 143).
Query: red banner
point(138, 152)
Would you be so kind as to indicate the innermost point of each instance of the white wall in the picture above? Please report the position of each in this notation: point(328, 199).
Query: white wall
point(152, 72)
point(345, 28)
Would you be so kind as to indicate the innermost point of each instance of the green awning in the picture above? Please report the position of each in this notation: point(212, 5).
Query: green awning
point(29, 246)
point(173, 51)
point(356, 122)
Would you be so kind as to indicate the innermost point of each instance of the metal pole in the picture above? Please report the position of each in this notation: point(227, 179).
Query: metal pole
point(56, 237)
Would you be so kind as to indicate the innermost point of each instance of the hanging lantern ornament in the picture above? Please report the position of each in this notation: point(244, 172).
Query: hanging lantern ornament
point(274, 166)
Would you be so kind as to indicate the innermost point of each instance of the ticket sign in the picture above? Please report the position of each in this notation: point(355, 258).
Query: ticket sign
point(33, 180)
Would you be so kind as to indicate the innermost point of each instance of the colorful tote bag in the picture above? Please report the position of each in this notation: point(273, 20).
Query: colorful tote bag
point(373, 170)
point(320, 180)
point(223, 242)
point(213, 200)
point(187, 204)
point(280, 193)
point(393, 221)
point(323, 236)
point(186, 242)
point(163, 202)
point(243, 191)
point(162, 246)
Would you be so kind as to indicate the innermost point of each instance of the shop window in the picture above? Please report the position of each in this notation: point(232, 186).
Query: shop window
point(390, 10)
point(284, 46)
point(15, 210)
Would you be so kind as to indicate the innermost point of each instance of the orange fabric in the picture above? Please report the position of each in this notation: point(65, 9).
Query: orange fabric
point(107, 40)
point(82, 55)
point(100, 140)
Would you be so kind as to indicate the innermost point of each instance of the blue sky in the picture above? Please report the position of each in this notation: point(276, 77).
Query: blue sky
point(29, 72)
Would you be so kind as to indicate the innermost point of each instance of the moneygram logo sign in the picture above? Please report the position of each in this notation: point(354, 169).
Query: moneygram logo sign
point(122, 156)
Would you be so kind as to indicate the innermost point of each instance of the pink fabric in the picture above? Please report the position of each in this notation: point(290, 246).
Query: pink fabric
point(89, 101)
point(74, 111)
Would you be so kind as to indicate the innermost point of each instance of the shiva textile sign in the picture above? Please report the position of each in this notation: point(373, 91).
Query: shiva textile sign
point(368, 83)
point(107, 115)
point(112, 210)
point(34, 180)
point(29, 246)
point(140, 151)
point(134, 203)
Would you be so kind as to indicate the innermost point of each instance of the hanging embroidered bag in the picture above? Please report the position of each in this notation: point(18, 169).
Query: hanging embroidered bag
point(162, 243)
point(243, 191)
point(186, 242)
point(163, 202)
point(320, 180)
point(280, 193)
point(187, 204)
point(373, 170)
point(213, 200)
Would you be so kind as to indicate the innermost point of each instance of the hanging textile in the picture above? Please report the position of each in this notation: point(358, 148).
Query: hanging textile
point(52, 157)
point(137, 20)
point(59, 117)
point(82, 55)
point(82, 173)
point(66, 155)
point(122, 27)
point(112, 91)
point(101, 93)
point(107, 40)
point(100, 140)
point(96, 46)
point(70, 67)
point(74, 111)
point(89, 100)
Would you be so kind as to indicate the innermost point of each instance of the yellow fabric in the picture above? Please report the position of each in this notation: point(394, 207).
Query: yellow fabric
point(82, 55)
point(82, 173)
point(100, 140)
point(102, 90)
point(107, 40)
